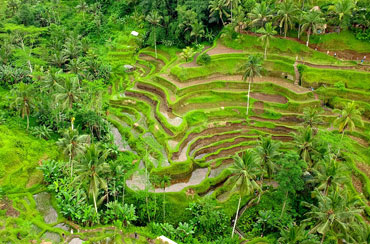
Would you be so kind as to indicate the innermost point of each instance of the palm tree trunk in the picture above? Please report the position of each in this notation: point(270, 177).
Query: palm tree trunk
point(155, 45)
point(249, 90)
point(28, 121)
point(285, 29)
point(283, 209)
point(308, 37)
point(164, 204)
point(323, 238)
point(265, 51)
point(236, 217)
point(94, 198)
point(299, 31)
point(223, 23)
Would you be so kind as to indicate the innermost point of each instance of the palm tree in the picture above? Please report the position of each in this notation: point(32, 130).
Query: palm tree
point(343, 9)
point(90, 169)
point(218, 7)
point(260, 14)
point(311, 117)
point(68, 93)
point(294, 234)
point(267, 152)
point(73, 144)
point(72, 47)
point(187, 53)
point(244, 173)
point(165, 181)
point(155, 20)
point(335, 213)
point(82, 7)
point(239, 17)
point(76, 66)
point(267, 34)
point(197, 30)
point(252, 68)
point(311, 21)
point(23, 100)
point(285, 15)
point(58, 59)
point(349, 118)
point(304, 141)
point(330, 173)
point(232, 4)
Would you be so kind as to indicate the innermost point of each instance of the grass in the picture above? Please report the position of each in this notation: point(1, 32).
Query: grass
point(344, 40)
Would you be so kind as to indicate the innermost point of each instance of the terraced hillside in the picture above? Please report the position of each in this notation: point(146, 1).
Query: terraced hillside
point(189, 120)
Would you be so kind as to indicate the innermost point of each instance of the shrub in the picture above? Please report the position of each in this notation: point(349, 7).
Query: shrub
point(204, 59)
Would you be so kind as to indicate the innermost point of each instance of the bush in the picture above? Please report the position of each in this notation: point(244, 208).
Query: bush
point(204, 59)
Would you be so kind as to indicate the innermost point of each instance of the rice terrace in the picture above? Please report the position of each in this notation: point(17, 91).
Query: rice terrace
point(180, 121)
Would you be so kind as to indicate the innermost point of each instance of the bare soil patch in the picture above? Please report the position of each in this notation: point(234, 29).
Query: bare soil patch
point(365, 168)
point(222, 49)
point(269, 97)
point(357, 184)
point(6, 204)
point(360, 141)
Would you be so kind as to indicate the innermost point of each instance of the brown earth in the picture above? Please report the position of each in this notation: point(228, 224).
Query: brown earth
point(6, 204)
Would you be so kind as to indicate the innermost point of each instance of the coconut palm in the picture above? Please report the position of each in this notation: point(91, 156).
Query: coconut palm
point(68, 93)
point(267, 151)
point(287, 11)
point(73, 144)
point(311, 117)
point(304, 141)
point(72, 47)
point(335, 213)
point(267, 34)
point(232, 4)
point(294, 234)
point(349, 118)
point(311, 21)
point(239, 17)
point(260, 14)
point(82, 7)
point(343, 9)
point(76, 66)
point(23, 101)
point(90, 169)
point(244, 173)
point(155, 20)
point(331, 173)
point(218, 7)
point(197, 30)
point(165, 181)
point(251, 69)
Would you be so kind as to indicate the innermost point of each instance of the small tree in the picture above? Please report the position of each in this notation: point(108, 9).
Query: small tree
point(187, 53)
point(23, 100)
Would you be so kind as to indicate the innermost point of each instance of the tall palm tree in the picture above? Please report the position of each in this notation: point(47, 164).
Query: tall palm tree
point(155, 20)
point(82, 7)
point(90, 169)
point(232, 4)
point(218, 7)
point(197, 30)
point(349, 118)
point(267, 151)
point(311, 117)
point(311, 21)
point(343, 9)
point(251, 69)
point(267, 34)
point(331, 173)
point(244, 173)
point(165, 181)
point(68, 93)
point(335, 213)
point(73, 144)
point(260, 14)
point(287, 11)
point(23, 100)
point(304, 141)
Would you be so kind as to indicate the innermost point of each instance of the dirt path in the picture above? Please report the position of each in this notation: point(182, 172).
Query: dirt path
point(217, 77)
point(222, 49)
point(297, 74)
point(321, 66)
